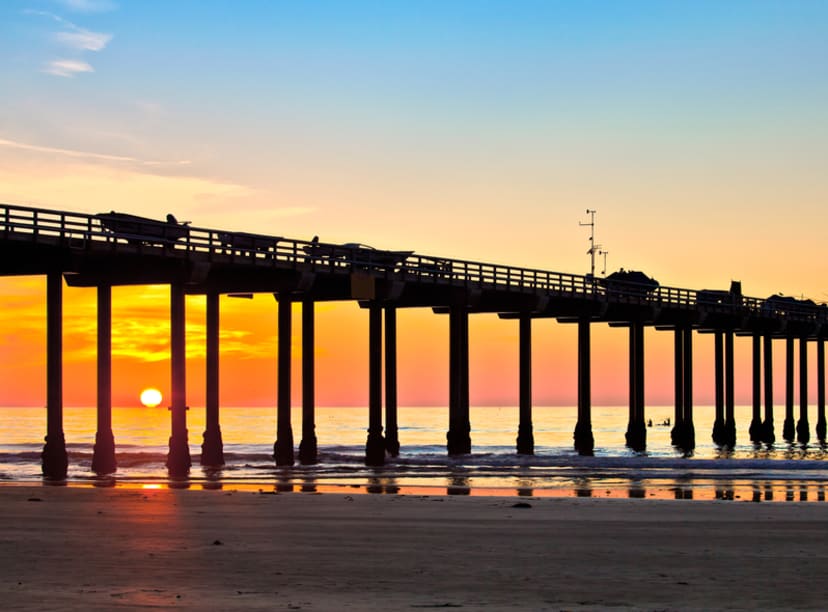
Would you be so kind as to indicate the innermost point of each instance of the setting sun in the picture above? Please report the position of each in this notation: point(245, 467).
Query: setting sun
point(151, 397)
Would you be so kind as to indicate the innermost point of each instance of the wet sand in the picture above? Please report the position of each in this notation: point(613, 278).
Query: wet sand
point(104, 549)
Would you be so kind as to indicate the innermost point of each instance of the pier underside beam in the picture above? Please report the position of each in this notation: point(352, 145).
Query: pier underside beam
point(212, 448)
point(103, 454)
point(55, 461)
point(178, 458)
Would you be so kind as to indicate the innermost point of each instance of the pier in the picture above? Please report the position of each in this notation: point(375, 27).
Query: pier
point(112, 249)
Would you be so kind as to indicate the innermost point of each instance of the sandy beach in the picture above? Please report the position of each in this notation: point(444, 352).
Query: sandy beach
point(103, 549)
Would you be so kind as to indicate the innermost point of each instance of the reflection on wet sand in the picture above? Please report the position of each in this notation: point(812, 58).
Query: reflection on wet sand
point(683, 493)
point(459, 485)
point(288, 481)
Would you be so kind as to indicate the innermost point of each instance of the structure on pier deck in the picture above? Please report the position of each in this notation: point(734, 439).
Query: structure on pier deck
point(111, 249)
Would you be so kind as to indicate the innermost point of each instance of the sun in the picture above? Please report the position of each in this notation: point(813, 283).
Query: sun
point(151, 397)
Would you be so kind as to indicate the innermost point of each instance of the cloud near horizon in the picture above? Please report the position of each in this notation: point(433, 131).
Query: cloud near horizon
point(89, 154)
point(95, 182)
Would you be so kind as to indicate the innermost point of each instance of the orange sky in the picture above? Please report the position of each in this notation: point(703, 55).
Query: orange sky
point(249, 345)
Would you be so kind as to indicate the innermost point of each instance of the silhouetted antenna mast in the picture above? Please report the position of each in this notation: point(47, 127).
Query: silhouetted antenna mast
point(593, 248)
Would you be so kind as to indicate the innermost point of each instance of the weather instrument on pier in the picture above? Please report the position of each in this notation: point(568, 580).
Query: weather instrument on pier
point(593, 248)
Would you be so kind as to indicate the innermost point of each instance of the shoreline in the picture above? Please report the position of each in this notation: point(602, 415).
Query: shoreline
point(119, 548)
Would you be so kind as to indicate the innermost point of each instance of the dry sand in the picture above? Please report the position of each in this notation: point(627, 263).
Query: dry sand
point(106, 549)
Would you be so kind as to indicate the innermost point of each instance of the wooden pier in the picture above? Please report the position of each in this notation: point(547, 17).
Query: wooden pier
point(112, 249)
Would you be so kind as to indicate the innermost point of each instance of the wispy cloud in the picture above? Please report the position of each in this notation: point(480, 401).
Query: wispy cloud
point(88, 6)
point(89, 154)
point(76, 40)
point(67, 67)
point(84, 40)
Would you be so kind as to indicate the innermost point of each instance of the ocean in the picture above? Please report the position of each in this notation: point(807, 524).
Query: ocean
point(782, 472)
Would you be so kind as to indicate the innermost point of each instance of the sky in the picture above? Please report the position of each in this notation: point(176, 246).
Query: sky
point(480, 130)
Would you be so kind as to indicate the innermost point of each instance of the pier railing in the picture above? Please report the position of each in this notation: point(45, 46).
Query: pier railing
point(129, 234)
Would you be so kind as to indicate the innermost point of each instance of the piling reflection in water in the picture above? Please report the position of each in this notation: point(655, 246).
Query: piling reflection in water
point(697, 490)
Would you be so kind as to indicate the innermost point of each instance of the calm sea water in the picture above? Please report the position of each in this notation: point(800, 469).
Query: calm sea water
point(782, 472)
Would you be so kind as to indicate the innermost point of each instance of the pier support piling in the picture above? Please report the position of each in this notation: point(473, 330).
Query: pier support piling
point(676, 434)
point(584, 440)
point(687, 363)
point(308, 452)
point(820, 426)
point(788, 428)
point(392, 437)
point(283, 447)
point(719, 422)
point(55, 461)
point(375, 445)
point(178, 458)
point(636, 435)
point(755, 429)
point(212, 448)
point(803, 434)
point(459, 434)
point(730, 402)
point(683, 434)
point(768, 433)
point(103, 454)
point(525, 437)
